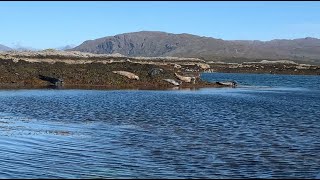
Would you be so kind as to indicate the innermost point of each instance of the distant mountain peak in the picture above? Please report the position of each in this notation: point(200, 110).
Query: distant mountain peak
point(67, 47)
point(157, 43)
point(311, 38)
point(4, 48)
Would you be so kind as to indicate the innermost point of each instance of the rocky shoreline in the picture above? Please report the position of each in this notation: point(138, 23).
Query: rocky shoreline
point(85, 70)
point(265, 67)
point(114, 71)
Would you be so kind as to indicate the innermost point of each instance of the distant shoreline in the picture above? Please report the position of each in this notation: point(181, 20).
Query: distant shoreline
point(267, 67)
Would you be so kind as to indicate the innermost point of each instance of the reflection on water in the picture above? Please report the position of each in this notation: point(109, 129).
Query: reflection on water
point(260, 131)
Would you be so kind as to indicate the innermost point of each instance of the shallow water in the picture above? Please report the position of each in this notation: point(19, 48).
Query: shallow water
point(268, 127)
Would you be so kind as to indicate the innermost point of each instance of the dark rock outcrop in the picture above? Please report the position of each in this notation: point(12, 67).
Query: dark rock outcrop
point(155, 72)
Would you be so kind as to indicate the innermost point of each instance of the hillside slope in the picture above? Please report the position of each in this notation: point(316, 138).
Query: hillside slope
point(154, 43)
point(4, 48)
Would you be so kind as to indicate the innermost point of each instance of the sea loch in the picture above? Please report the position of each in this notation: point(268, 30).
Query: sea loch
point(268, 127)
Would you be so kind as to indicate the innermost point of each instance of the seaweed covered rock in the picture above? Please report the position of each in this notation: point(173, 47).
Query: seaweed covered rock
point(155, 72)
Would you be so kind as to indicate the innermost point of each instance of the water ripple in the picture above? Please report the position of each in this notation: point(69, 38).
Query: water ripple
point(210, 133)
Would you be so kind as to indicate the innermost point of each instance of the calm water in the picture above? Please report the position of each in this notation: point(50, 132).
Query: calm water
point(269, 127)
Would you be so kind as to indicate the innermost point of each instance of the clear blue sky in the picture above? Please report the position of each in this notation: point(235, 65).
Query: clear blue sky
point(55, 24)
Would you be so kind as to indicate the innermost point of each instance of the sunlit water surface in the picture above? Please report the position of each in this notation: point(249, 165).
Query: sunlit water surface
point(268, 127)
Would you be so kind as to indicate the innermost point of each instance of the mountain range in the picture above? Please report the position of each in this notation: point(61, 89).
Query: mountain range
point(62, 48)
point(155, 43)
point(25, 48)
point(4, 48)
point(161, 44)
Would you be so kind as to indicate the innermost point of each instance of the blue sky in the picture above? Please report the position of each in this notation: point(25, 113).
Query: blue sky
point(53, 24)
